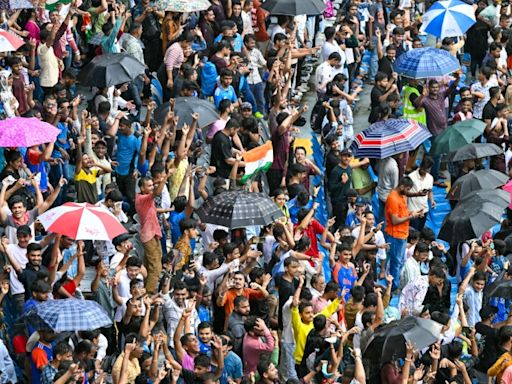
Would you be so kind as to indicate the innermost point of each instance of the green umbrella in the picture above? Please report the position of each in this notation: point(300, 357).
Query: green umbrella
point(457, 135)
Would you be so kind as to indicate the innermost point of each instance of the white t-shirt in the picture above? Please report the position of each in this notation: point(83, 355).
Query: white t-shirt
point(419, 202)
point(20, 255)
point(49, 65)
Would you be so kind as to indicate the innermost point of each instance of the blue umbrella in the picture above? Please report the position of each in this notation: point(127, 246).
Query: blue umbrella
point(387, 138)
point(448, 18)
point(421, 63)
point(68, 315)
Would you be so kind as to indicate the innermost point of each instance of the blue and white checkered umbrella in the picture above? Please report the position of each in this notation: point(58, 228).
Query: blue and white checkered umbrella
point(448, 18)
point(68, 315)
point(421, 63)
point(388, 138)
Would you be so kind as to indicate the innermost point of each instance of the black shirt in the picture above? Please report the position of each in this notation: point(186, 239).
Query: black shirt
point(221, 150)
point(332, 160)
point(491, 350)
point(286, 290)
point(489, 112)
point(29, 275)
point(375, 103)
point(295, 189)
point(386, 66)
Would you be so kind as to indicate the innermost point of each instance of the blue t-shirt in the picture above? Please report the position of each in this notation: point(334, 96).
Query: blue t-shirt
point(127, 149)
point(174, 221)
point(62, 140)
point(238, 42)
point(232, 368)
point(36, 373)
point(224, 94)
point(294, 207)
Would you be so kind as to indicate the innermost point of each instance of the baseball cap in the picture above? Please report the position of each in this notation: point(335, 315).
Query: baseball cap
point(101, 142)
point(346, 152)
point(360, 201)
point(118, 240)
point(246, 105)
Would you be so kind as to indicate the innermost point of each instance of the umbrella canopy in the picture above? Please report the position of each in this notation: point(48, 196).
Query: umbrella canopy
point(237, 209)
point(68, 315)
point(294, 7)
point(474, 151)
point(183, 6)
point(493, 195)
point(421, 63)
point(475, 181)
point(387, 138)
point(388, 342)
point(448, 18)
point(26, 132)
point(110, 69)
point(501, 288)
point(82, 221)
point(471, 218)
point(185, 107)
point(457, 135)
point(9, 42)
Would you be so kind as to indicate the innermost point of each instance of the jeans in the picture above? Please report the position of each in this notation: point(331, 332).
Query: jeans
point(374, 60)
point(56, 172)
point(153, 263)
point(126, 184)
point(419, 222)
point(396, 257)
point(258, 91)
point(248, 96)
point(287, 361)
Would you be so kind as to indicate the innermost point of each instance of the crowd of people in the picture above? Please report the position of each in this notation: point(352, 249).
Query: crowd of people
point(300, 300)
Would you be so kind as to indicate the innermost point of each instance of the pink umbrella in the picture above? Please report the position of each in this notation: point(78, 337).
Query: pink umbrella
point(508, 187)
point(9, 42)
point(26, 132)
point(82, 221)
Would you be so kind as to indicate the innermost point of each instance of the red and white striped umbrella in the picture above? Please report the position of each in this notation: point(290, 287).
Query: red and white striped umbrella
point(9, 42)
point(82, 221)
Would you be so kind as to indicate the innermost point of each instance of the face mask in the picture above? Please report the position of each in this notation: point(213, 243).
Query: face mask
point(325, 373)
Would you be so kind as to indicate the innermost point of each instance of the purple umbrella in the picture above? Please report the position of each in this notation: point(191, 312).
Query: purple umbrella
point(26, 132)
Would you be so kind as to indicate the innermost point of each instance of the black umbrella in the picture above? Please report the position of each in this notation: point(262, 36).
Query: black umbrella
point(471, 218)
point(388, 342)
point(294, 7)
point(502, 288)
point(110, 69)
point(474, 151)
point(238, 209)
point(493, 195)
point(185, 107)
point(476, 180)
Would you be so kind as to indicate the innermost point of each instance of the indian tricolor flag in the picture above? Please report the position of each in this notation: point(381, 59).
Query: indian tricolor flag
point(257, 160)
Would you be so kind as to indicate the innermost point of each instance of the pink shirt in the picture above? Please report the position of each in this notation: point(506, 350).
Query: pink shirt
point(174, 56)
point(506, 378)
point(146, 209)
point(219, 125)
point(253, 347)
point(188, 362)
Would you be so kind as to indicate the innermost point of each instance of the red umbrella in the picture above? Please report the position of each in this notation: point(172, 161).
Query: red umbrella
point(82, 221)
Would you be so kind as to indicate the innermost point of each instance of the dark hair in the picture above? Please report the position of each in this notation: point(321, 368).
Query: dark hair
point(187, 223)
point(437, 272)
point(62, 348)
point(133, 261)
point(204, 325)
point(357, 292)
point(289, 261)
point(334, 56)
point(479, 276)
point(12, 155)
point(34, 247)
point(250, 323)
point(226, 72)
point(440, 317)
point(85, 346)
point(114, 195)
point(367, 317)
point(40, 286)
point(329, 32)
point(421, 248)
point(494, 91)
point(331, 286)
point(209, 258)
point(370, 300)
point(406, 182)
point(427, 162)
point(381, 76)
point(15, 200)
point(229, 248)
point(280, 37)
point(238, 300)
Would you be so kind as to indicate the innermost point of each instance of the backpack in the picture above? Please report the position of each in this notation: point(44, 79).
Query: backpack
point(208, 79)
point(329, 10)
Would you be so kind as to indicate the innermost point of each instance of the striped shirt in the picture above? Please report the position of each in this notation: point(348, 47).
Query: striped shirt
point(174, 56)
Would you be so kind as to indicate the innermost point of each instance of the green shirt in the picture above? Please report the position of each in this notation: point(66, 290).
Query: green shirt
point(361, 179)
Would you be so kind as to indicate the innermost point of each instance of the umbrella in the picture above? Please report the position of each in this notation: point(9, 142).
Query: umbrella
point(501, 288)
point(110, 69)
point(448, 18)
point(474, 181)
point(457, 135)
point(421, 63)
point(493, 195)
point(183, 6)
point(68, 315)
point(474, 151)
point(26, 132)
point(82, 221)
point(294, 7)
point(388, 342)
point(471, 218)
point(238, 209)
point(387, 138)
point(9, 42)
point(185, 107)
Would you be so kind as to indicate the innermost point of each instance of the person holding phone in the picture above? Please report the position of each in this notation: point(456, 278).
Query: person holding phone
point(421, 192)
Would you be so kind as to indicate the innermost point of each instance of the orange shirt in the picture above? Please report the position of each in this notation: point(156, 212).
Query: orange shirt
point(231, 295)
point(396, 204)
